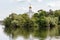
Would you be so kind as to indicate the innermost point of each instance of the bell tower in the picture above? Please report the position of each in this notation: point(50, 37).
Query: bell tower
point(30, 12)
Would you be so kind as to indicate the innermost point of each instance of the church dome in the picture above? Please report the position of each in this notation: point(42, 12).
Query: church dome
point(30, 7)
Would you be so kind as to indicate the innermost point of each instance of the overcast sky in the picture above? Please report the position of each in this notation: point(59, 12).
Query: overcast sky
point(20, 6)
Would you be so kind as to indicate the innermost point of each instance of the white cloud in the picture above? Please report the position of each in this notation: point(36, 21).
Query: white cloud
point(54, 5)
point(22, 8)
point(16, 0)
point(39, 0)
point(51, 4)
point(20, 0)
point(28, 0)
point(57, 3)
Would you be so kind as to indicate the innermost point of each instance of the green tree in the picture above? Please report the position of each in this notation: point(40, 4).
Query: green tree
point(10, 23)
point(41, 24)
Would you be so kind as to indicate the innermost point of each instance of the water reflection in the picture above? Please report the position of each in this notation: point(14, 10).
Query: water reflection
point(3, 36)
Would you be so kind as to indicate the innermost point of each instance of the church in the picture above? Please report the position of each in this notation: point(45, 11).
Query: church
point(30, 12)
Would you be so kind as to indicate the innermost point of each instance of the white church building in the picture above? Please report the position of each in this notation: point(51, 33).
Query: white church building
point(30, 12)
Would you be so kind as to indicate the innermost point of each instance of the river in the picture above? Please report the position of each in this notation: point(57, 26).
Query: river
point(3, 36)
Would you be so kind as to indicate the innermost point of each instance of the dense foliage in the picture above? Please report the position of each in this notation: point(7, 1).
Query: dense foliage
point(40, 25)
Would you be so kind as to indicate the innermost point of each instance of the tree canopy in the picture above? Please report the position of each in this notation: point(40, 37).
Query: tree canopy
point(39, 25)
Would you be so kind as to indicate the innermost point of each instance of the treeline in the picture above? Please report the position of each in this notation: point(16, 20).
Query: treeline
point(41, 24)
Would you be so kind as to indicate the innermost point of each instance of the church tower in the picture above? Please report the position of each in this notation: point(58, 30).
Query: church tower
point(30, 12)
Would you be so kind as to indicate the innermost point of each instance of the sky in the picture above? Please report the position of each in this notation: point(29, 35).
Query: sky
point(20, 6)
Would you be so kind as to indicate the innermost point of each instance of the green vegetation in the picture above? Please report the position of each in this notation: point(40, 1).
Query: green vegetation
point(40, 25)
